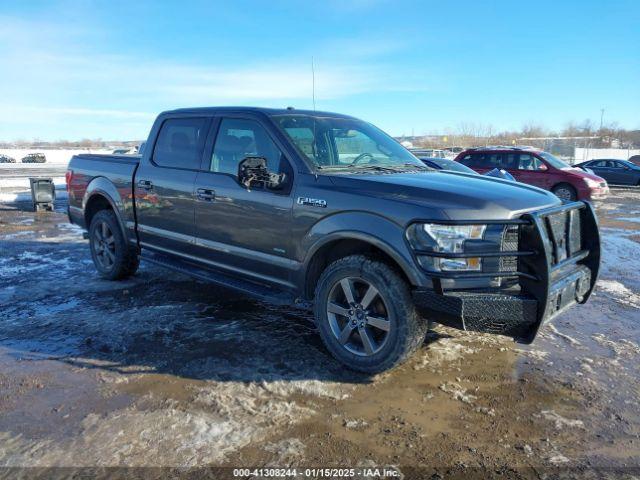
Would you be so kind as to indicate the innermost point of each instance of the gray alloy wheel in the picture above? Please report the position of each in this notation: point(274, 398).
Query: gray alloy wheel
point(113, 257)
point(358, 316)
point(365, 314)
point(565, 193)
point(104, 245)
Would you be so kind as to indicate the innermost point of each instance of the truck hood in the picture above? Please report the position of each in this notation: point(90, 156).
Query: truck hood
point(454, 195)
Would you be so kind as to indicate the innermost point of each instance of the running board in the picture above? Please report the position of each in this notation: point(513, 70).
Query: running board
point(261, 292)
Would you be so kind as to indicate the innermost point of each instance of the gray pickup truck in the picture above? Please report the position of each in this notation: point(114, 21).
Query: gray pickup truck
point(327, 212)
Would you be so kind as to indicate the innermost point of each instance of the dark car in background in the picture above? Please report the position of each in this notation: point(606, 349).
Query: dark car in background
point(453, 166)
point(446, 164)
point(635, 159)
point(7, 159)
point(34, 158)
point(619, 172)
point(538, 168)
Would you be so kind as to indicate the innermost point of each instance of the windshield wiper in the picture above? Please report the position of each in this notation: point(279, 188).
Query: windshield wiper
point(418, 167)
point(378, 168)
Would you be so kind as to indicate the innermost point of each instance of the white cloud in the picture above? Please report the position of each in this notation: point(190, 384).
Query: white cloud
point(26, 111)
point(60, 73)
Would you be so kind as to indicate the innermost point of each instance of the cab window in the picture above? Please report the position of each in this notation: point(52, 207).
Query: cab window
point(238, 139)
point(180, 143)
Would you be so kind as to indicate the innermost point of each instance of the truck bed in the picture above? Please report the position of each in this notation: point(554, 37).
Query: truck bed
point(112, 173)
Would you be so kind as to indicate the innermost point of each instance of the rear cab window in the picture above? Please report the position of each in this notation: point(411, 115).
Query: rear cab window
point(180, 143)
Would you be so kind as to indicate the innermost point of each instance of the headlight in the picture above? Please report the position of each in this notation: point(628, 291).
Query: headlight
point(591, 183)
point(445, 238)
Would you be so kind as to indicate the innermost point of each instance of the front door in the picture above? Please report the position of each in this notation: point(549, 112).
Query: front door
point(622, 174)
point(246, 231)
point(164, 185)
point(531, 170)
point(601, 168)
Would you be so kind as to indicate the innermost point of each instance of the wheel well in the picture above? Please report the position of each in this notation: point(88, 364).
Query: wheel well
point(337, 249)
point(563, 184)
point(94, 205)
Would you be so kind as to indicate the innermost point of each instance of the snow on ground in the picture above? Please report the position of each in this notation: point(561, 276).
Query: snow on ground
point(25, 195)
point(622, 256)
point(58, 157)
point(23, 182)
point(620, 293)
point(630, 219)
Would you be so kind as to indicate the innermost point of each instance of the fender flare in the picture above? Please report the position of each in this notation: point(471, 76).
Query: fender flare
point(404, 265)
point(373, 229)
point(102, 187)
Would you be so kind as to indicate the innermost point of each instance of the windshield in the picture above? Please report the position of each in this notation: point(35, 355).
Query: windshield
point(629, 164)
point(554, 161)
point(344, 143)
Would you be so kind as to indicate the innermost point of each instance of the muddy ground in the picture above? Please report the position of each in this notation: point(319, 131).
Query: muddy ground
point(162, 370)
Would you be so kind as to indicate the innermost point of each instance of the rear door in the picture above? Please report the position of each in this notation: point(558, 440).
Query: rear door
point(245, 231)
point(164, 185)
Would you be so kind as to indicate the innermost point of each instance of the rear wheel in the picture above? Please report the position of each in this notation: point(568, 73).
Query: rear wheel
point(113, 257)
point(565, 192)
point(365, 314)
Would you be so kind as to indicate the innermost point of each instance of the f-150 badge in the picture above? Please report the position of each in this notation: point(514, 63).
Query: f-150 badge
point(313, 202)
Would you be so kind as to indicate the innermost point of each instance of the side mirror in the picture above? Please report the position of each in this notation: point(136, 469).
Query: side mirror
point(253, 171)
point(542, 168)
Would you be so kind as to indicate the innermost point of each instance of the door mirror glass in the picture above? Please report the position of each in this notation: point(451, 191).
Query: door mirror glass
point(253, 172)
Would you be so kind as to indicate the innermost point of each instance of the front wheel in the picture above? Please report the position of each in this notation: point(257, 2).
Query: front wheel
point(565, 192)
point(365, 314)
point(112, 256)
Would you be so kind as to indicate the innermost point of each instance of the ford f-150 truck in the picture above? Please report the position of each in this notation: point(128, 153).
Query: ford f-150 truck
point(327, 212)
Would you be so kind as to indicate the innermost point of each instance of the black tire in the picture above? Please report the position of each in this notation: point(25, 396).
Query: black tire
point(565, 192)
point(406, 329)
point(121, 260)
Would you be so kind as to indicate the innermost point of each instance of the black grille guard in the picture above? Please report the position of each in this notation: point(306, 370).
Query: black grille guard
point(558, 258)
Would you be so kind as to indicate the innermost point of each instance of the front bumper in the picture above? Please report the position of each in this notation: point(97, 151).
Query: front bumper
point(558, 259)
point(599, 194)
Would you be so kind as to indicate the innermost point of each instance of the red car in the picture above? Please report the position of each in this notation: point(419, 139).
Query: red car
point(537, 168)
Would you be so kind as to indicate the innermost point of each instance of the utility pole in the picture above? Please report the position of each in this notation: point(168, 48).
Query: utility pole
point(601, 118)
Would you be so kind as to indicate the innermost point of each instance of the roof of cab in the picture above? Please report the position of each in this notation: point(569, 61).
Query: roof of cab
point(262, 110)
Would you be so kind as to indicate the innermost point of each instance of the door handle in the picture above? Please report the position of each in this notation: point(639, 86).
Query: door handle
point(145, 184)
point(206, 194)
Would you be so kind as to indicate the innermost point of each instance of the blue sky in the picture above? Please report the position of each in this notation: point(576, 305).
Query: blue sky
point(85, 69)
